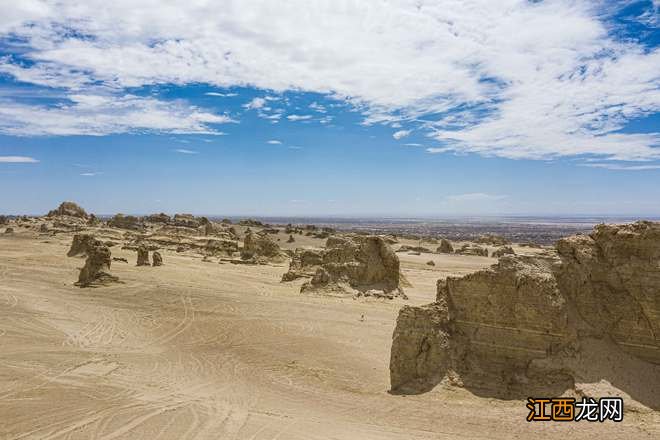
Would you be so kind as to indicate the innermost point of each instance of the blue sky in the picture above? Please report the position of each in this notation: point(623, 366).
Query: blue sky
point(396, 108)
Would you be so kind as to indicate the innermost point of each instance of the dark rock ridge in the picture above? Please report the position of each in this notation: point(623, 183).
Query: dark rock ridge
point(542, 325)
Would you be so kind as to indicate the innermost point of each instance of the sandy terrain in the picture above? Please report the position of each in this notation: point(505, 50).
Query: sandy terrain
point(204, 350)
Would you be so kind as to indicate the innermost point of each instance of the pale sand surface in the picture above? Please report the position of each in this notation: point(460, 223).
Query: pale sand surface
point(204, 350)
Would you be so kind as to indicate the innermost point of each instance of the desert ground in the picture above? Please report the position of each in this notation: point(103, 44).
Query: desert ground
point(206, 349)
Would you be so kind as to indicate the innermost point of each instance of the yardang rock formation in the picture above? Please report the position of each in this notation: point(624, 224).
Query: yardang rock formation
point(543, 325)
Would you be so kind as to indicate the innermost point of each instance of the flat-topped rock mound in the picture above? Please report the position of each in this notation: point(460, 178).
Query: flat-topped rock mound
point(543, 325)
point(359, 265)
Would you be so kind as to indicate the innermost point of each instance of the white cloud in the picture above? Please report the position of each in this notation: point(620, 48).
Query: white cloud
point(613, 166)
point(221, 95)
point(97, 115)
point(438, 150)
point(299, 117)
point(185, 151)
point(511, 78)
point(90, 174)
point(475, 197)
point(274, 142)
point(255, 104)
point(412, 144)
point(317, 107)
point(401, 134)
point(17, 159)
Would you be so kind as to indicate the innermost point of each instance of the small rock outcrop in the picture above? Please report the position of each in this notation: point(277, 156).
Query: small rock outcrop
point(418, 249)
point(9, 230)
point(260, 248)
point(250, 222)
point(493, 240)
point(445, 247)
point(361, 265)
point(290, 239)
point(143, 256)
point(81, 245)
point(126, 222)
point(535, 325)
point(157, 259)
point(505, 250)
point(96, 271)
point(304, 263)
point(219, 247)
point(68, 209)
point(470, 249)
point(189, 221)
point(158, 218)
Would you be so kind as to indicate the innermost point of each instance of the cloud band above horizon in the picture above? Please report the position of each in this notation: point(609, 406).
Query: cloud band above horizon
point(515, 79)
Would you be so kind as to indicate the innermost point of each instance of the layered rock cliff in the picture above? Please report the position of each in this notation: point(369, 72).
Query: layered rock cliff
point(531, 324)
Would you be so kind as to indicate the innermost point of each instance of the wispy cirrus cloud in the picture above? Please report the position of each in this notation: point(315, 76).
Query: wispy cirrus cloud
point(299, 117)
point(622, 167)
point(401, 134)
point(513, 78)
point(221, 95)
point(18, 159)
point(274, 142)
point(98, 115)
point(185, 151)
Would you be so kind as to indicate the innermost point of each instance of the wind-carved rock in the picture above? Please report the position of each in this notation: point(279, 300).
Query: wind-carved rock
point(304, 263)
point(543, 325)
point(445, 247)
point(69, 209)
point(157, 259)
point(470, 249)
point(126, 222)
point(360, 265)
point(81, 244)
point(504, 250)
point(261, 248)
point(96, 271)
point(143, 256)
point(492, 239)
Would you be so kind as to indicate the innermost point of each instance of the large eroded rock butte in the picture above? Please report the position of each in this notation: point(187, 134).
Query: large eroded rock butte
point(364, 265)
point(543, 325)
